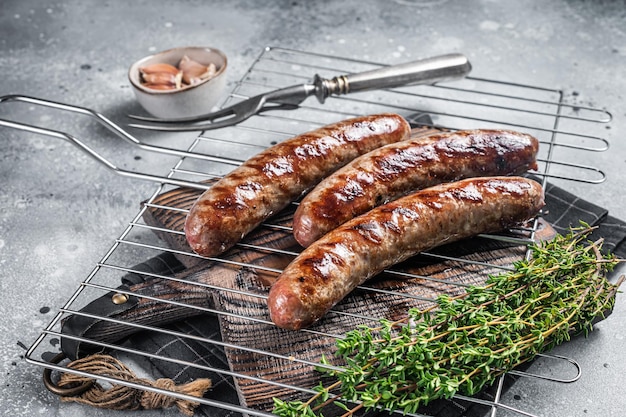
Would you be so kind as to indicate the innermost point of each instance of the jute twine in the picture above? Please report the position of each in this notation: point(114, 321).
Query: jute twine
point(122, 397)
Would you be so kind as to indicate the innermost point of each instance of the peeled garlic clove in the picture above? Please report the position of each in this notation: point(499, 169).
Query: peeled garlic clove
point(160, 67)
point(193, 71)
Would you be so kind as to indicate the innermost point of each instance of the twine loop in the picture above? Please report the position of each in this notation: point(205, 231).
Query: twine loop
point(124, 397)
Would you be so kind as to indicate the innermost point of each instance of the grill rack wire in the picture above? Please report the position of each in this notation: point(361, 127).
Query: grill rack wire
point(566, 131)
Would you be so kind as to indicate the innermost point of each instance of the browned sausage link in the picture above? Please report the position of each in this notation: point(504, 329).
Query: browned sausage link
point(397, 169)
point(269, 181)
point(325, 272)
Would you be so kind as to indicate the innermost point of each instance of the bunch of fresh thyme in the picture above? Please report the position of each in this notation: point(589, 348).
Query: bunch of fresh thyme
point(463, 344)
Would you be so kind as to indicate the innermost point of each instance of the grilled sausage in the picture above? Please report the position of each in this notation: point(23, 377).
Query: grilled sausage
point(269, 181)
point(394, 170)
point(325, 272)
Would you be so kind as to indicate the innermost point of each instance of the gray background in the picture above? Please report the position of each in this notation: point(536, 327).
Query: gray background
point(60, 211)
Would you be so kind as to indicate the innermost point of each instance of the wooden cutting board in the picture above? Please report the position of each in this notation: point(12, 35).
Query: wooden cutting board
point(276, 363)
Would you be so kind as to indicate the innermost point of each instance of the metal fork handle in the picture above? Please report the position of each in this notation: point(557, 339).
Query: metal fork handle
point(426, 71)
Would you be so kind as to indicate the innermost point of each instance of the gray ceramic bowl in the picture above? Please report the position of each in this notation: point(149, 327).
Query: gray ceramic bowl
point(189, 100)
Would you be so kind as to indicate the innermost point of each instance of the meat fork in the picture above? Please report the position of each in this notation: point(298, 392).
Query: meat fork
point(425, 71)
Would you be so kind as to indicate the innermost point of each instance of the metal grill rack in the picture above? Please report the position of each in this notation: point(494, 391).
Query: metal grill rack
point(567, 132)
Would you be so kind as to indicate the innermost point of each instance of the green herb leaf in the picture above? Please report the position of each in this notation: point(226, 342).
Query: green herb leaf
point(464, 343)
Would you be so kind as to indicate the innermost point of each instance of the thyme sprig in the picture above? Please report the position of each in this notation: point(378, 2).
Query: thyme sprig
point(463, 343)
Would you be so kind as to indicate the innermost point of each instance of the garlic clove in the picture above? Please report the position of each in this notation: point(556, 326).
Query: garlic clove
point(159, 67)
point(194, 72)
point(210, 71)
point(178, 82)
point(160, 78)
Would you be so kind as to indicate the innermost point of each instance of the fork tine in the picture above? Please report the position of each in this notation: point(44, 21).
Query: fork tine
point(237, 112)
point(207, 117)
point(186, 127)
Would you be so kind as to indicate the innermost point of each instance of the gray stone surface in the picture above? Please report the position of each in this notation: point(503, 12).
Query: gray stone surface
point(60, 211)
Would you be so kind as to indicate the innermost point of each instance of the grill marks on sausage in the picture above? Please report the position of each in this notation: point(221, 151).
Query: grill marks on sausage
point(364, 246)
point(269, 181)
point(394, 170)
